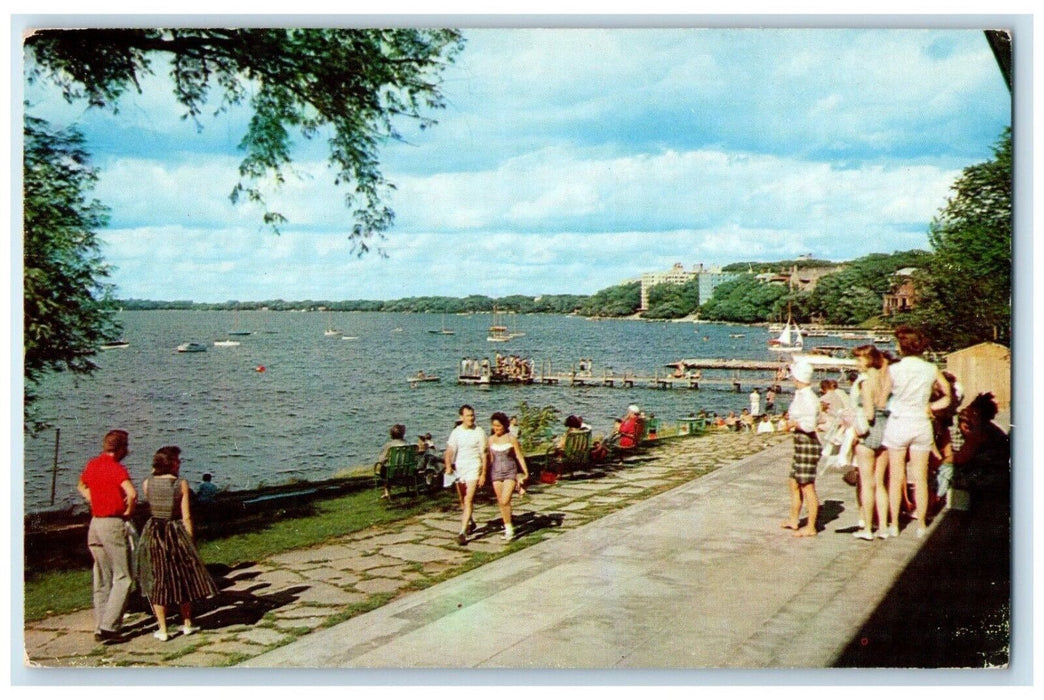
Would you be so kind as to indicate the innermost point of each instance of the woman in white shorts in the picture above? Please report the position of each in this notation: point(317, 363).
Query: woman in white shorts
point(909, 427)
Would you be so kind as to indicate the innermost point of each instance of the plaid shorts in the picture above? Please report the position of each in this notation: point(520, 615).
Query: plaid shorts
point(807, 451)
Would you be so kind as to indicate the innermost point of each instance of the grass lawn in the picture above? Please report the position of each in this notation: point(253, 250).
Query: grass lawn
point(63, 591)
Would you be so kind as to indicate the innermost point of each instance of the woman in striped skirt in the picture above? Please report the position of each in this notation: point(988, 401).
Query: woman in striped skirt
point(171, 571)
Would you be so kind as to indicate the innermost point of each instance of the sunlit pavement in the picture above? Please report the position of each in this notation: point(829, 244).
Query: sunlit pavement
point(701, 576)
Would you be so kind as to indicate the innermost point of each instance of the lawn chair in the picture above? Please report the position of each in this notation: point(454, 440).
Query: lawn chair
point(572, 456)
point(399, 469)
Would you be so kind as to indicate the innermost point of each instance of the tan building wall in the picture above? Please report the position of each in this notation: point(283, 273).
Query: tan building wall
point(983, 367)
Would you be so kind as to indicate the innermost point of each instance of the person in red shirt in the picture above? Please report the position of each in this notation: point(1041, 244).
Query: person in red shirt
point(629, 428)
point(107, 488)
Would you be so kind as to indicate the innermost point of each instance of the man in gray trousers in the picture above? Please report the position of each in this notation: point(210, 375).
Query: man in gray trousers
point(107, 487)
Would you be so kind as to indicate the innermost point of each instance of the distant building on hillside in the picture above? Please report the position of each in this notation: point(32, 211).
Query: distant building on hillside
point(902, 296)
point(803, 279)
point(709, 278)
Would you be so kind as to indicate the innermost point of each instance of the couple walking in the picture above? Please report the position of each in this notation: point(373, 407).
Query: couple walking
point(170, 570)
point(468, 456)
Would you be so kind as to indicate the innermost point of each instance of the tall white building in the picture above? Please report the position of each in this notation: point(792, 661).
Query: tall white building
point(709, 278)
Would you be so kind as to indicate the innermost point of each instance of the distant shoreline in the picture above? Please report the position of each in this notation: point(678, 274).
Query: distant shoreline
point(691, 318)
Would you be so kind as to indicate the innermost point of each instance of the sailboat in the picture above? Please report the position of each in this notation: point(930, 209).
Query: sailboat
point(790, 338)
point(444, 331)
point(235, 325)
point(330, 330)
point(499, 333)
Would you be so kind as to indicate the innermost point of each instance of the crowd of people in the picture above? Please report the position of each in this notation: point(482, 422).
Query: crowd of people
point(503, 367)
point(896, 433)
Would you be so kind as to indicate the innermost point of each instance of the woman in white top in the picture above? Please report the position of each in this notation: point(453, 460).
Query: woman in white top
point(909, 425)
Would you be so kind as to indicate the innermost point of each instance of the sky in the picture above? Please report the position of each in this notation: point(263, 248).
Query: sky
point(569, 160)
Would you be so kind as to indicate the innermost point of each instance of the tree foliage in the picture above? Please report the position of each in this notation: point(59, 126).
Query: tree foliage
point(854, 294)
point(964, 295)
point(745, 299)
point(535, 424)
point(67, 305)
point(673, 300)
point(620, 300)
point(347, 85)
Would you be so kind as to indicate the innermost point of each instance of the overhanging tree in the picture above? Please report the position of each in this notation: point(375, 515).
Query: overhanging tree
point(964, 295)
point(66, 295)
point(349, 85)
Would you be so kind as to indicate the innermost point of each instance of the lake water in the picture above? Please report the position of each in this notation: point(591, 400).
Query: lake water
point(324, 403)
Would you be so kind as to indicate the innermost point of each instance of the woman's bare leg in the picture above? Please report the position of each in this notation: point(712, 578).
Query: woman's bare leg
point(896, 483)
point(919, 471)
point(504, 489)
point(867, 485)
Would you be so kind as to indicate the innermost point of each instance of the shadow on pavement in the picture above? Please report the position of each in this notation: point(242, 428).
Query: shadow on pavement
point(951, 606)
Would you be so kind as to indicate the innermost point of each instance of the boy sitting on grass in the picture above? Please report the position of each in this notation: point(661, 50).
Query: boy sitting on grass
point(803, 415)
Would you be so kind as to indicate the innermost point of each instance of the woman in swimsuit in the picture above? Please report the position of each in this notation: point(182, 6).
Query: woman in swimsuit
point(508, 467)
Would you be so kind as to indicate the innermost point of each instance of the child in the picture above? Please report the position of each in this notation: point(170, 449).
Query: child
point(803, 414)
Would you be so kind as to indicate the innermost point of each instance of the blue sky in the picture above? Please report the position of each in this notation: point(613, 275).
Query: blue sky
point(568, 160)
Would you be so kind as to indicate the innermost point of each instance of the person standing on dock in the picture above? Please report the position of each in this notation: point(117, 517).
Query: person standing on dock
point(107, 488)
point(755, 402)
point(803, 416)
point(466, 452)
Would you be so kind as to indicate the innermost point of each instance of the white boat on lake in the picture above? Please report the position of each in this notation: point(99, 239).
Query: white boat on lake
point(192, 347)
point(789, 340)
point(499, 333)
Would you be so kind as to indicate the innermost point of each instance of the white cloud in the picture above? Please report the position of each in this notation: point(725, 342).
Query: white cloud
point(567, 160)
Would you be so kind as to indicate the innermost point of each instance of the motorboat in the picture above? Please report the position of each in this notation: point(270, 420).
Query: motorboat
point(192, 347)
point(226, 343)
point(421, 377)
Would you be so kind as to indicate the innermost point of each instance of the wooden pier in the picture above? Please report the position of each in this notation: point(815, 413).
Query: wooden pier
point(662, 381)
point(731, 374)
point(629, 380)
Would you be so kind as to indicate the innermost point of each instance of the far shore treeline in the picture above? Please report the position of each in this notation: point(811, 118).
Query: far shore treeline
point(850, 294)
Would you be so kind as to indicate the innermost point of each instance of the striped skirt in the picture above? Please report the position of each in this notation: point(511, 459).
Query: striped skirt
point(170, 570)
point(807, 452)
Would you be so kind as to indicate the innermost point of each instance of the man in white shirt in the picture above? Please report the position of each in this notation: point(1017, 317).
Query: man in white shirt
point(467, 455)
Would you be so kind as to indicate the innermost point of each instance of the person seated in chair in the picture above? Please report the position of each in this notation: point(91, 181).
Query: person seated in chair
point(630, 428)
point(396, 434)
point(573, 424)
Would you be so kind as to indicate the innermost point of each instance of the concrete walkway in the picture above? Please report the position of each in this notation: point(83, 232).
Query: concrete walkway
point(269, 603)
point(702, 576)
point(604, 575)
